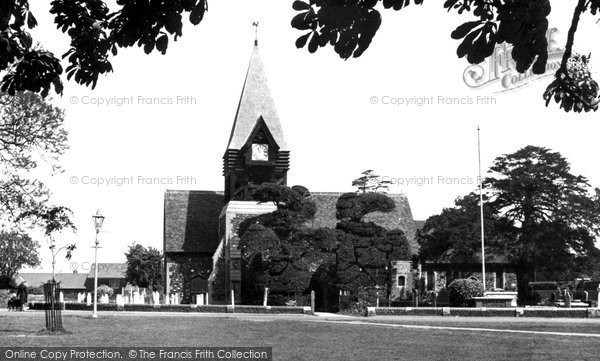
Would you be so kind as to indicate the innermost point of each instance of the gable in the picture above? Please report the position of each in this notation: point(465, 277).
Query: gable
point(191, 221)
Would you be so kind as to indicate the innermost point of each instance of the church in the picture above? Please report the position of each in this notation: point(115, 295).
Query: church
point(202, 259)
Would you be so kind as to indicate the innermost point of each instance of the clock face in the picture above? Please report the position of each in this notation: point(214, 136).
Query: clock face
point(260, 152)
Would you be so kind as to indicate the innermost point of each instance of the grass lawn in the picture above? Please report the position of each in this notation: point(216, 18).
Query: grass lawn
point(315, 338)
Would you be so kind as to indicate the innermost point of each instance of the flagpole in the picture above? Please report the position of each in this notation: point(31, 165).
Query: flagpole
point(481, 211)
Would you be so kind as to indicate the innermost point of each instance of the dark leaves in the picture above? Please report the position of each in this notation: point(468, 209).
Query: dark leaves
point(524, 24)
point(399, 4)
point(96, 34)
point(348, 26)
point(37, 71)
point(479, 40)
point(162, 43)
point(197, 13)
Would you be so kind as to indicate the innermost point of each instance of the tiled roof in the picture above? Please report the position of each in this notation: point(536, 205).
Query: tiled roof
point(192, 221)
point(70, 281)
point(108, 270)
point(400, 217)
point(255, 101)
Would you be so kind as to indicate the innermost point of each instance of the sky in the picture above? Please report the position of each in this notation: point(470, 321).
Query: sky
point(402, 109)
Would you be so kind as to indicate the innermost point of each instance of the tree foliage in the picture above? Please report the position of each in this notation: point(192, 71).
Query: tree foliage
point(538, 215)
point(277, 252)
point(281, 253)
point(17, 250)
point(370, 182)
point(32, 134)
point(354, 207)
point(350, 26)
point(96, 32)
point(554, 212)
point(144, 267)
point(455, 234)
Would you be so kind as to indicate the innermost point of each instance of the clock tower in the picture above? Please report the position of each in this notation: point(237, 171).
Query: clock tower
point(257, 151)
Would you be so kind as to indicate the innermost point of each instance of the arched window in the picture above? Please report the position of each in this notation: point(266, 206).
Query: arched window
point(401, 281)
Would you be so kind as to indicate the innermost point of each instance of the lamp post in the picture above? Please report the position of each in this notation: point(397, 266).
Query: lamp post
point(98, 220)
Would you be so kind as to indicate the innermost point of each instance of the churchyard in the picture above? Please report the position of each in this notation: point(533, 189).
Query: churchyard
point(376, 338)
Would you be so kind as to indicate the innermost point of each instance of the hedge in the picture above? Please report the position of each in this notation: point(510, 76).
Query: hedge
point(539, 286)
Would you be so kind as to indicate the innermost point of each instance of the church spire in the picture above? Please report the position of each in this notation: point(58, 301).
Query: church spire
point(257, 151)
point(255, 102)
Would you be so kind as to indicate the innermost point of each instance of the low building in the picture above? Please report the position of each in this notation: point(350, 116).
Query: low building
point(70, 283)
point(500, 275)
point(111, 274)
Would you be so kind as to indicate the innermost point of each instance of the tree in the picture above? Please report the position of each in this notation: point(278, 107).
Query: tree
point(281, 253)
point(555, 215)
point(350, 26)
point(370, 182)
point(364, 251)
point(96, 32)
point(277, 251)
point(144, 267)
point(53, 221)
point(17, 250)
point(32, 133)
point(455, 234)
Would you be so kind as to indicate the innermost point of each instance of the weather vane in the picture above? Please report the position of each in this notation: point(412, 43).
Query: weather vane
point(255, 24)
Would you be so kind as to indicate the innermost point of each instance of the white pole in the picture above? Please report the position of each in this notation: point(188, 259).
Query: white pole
point(481, 212)
point(95, 314)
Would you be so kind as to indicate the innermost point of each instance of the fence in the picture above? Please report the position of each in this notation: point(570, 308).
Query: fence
point(53, 306)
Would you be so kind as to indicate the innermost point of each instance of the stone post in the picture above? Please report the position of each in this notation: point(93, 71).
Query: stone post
point(89, 299)
point(266, 297)
point(312, 302)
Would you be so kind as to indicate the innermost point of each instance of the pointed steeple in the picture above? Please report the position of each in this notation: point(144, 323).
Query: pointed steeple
point(257, 152)
point(255, 102)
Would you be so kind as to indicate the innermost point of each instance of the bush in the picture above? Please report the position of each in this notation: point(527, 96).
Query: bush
point(32, 290)
point(462, 291)
point(105, 290)
point(7, 283)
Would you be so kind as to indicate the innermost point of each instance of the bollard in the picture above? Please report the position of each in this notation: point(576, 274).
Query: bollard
point(89, 299)
point(232, 298)
point(312, 302)
point(434, 299)
point(266, 297)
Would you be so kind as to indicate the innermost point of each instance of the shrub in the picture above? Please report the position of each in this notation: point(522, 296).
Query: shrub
point(462, 291)
point(105, 290)
point(7, 283)
point(33, 290)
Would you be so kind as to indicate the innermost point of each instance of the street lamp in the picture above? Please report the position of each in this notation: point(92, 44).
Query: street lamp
point(98, 220)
